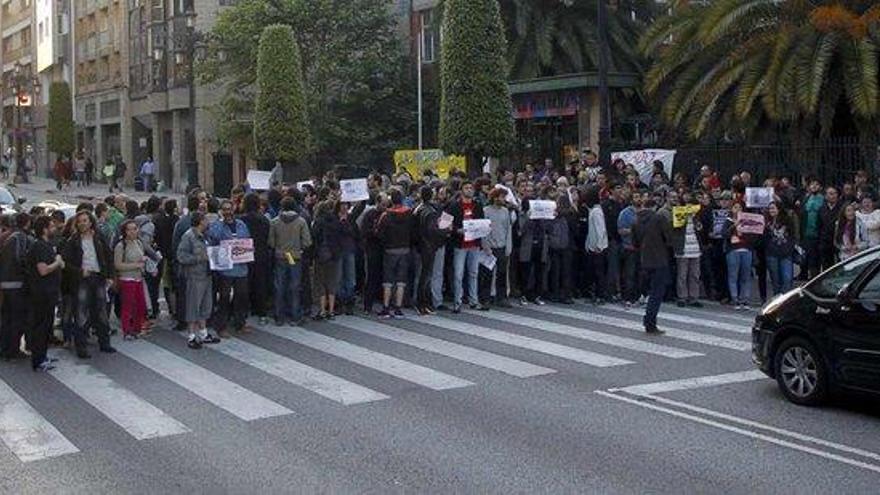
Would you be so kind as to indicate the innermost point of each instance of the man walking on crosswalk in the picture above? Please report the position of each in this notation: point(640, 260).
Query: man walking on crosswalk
point(652, 235)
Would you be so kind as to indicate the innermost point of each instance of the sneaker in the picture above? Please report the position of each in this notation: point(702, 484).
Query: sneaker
point(44, 366)
point(264, 321)
point(194, 344)
point(107, 349)
point(482, 307)
point(456, 309)
point(523, 301)
point(330, 316)
point(429, 310)
point(442, 307)
point(129, 336)
point(210, 339)
point(318, 317)
point(680, 304)
point(654, 331)
point(695, 304)
point(539, 301)
point(398, 313)
point(384, 314)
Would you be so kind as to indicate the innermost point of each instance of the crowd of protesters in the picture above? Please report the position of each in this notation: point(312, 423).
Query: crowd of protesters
point(617, 236)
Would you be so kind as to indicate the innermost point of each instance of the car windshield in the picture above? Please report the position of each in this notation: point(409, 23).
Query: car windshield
point(6, 197)
point(829, 284)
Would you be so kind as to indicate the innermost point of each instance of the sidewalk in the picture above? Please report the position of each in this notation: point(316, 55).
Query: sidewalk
point(42, 189)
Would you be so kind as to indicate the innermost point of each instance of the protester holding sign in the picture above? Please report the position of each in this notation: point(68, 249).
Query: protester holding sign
point(688, 251)
point(233, 301)
point(740, 241)
point(467, 250)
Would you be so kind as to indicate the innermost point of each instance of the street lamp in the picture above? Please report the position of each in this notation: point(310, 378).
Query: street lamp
point(604, 99)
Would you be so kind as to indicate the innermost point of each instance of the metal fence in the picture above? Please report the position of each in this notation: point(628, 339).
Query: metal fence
point(832, 161)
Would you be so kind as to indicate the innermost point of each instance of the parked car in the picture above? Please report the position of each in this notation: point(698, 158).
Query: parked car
point(51, 205)
point(824, 337)
point(9, 202)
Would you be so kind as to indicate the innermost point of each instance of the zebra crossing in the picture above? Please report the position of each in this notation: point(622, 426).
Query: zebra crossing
point(564, 335)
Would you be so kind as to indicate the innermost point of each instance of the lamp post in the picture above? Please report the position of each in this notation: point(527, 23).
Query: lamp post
point(604, 99)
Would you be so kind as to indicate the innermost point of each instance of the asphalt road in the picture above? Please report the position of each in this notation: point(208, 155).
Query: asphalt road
point(532, 400)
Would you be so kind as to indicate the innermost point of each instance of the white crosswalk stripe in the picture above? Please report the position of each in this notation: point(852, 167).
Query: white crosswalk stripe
point(215, 389)
point(27, 433)
point(523, 342)
point(384, 363)
point(699, 322)
point(137, 417)
point(584, 334)
point(445, 348)
point(301, 375)
point(675, 333)
point(713, 312)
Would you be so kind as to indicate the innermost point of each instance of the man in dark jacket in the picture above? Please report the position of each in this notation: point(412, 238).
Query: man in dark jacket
point(828, 215)
point(372, 251)
point(430, 238)
point(395, 229)
point(89, 265)
point(164, 220)
point(15, 315)
point(653, 237)
point(260, 272)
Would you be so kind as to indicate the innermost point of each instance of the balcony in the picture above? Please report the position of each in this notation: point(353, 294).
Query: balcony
point(10, 56)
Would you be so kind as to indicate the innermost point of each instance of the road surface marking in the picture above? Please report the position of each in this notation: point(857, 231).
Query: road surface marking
point(27, 433)
point(445, 348)
point(137, 417)
point(383, 363)
point(692, 383)
point(699, 322)
point(675, 333)
point(733, 429)
point(312, 379)
point(584, 334)
point(529, 343)
point(210, 386)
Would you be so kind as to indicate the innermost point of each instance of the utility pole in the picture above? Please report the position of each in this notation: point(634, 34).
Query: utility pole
point(604, 98)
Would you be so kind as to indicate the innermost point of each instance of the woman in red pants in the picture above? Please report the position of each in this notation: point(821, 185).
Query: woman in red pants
point(128, 256)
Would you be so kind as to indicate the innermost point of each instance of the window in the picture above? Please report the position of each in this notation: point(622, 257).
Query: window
point(40, 30)
point(830, 283)
point(871, 290)
point(428, 31)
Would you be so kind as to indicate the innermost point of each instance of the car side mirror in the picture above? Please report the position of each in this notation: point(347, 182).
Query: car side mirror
point(843, 295)
point(22, 201)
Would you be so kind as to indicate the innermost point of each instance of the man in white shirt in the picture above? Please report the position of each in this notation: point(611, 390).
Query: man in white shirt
point(148, 171)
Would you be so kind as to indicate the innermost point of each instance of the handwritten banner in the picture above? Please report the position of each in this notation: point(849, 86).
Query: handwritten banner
point(241, 250)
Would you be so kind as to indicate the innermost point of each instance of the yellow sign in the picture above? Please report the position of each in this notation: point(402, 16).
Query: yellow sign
point(417, 162)
point(680, 214)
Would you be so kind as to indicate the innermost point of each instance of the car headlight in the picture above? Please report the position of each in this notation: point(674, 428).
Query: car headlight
point(779, 300)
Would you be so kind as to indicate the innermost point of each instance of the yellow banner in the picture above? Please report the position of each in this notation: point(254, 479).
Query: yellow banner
point(680, 214)
point(417, 162)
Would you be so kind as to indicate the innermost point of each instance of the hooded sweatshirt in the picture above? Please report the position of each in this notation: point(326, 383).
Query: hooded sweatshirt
point(396, 228)
point(289, 233)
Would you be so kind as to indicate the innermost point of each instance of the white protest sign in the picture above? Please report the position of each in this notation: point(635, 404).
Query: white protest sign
point(509, 198)
point(242, 250)
point(488, 261)
point(476, 229)
point(542, 210)
point(759, 197)
point(220, 257)
point(445, 221)
point(643, 161)
point(354, 190)
point(259, 180)
point(300, 185)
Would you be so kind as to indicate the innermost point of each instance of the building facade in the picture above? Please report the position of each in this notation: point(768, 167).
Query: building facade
point(52, 19)
point(100, 81)
point(18, 60)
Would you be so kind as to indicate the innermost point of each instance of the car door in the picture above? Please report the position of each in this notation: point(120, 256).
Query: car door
point(856, 334)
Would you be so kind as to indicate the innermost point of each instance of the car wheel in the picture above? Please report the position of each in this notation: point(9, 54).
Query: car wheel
point(801, 372)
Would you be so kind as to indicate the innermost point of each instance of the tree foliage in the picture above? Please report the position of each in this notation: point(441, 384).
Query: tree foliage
point(476, 116)
point(552, 37)
point(61, 137)
point(728, 65)
point(358, 87)
point(281, 128)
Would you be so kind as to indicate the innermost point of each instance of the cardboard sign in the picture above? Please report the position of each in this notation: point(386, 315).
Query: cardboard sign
point(220, 258)
point(542, 210)
point(259, 180)
point(488, 261)
point(680, 214)
point(759, 197)
point(417, 162)
point(643, 161)
point(445, 221)
point(750, 223)
point(354, 190)
point(241, 250)
point(476, 229)
point(719, 219)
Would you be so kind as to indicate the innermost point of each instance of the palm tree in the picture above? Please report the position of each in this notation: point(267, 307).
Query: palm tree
point(727, 65)
point(550, 37)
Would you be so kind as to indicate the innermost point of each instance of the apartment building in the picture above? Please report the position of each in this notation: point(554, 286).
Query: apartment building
point(17, 57)
point(53, 64)
point(100, 80)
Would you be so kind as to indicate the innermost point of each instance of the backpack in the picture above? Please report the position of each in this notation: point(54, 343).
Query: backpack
point(13, 257)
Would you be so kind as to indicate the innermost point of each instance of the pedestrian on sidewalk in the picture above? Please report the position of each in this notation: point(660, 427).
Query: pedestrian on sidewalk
point(59, 170)
point(79, 168)
point(148, 171)
point(89, 170)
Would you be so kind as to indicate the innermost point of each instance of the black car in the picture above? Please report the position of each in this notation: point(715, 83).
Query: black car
point(825, 336)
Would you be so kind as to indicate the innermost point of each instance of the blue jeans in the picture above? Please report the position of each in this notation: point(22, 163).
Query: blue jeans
point(471, 259)
point(659, 279)
point(345, 295)
point(287, 291)
point(781, 273)
point(739, 276)
point(437, 276)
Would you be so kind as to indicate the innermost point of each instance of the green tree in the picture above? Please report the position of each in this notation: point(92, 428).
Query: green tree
point(281, 129)
point(358, 87)
point(727, 66)
point(60, 133)
point(551, 37)
point(476, 111)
